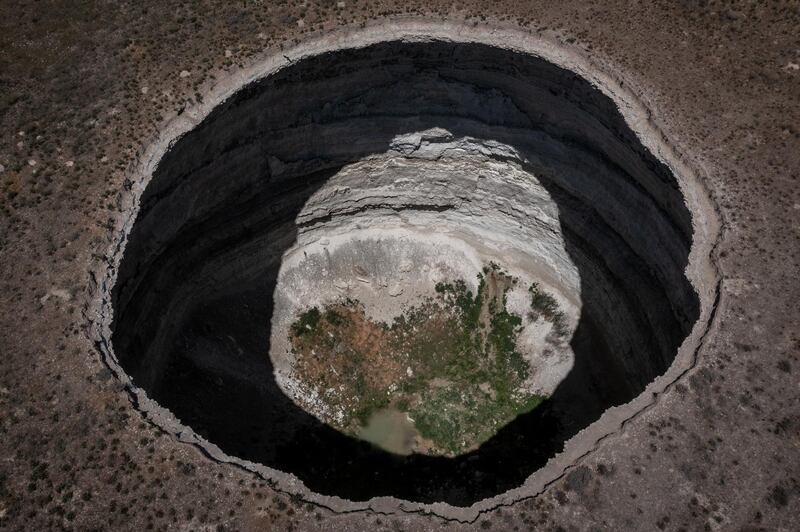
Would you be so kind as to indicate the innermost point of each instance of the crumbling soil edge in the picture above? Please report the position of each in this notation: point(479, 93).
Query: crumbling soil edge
point(702, 270)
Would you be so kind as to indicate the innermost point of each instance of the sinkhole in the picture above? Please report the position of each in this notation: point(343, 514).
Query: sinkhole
point(342, 225)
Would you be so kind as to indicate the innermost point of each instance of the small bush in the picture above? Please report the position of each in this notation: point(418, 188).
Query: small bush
point(307, 323)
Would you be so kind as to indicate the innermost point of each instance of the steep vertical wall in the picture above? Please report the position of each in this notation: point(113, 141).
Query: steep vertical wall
point(193, 296)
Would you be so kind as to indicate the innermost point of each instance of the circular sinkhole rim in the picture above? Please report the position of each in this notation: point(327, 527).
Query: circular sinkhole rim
point(701, 270)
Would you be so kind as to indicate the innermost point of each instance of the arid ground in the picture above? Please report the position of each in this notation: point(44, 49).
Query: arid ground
point(88, 88)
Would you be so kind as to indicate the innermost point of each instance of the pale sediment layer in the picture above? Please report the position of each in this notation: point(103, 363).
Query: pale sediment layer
point(362, 239)
point(502, 153)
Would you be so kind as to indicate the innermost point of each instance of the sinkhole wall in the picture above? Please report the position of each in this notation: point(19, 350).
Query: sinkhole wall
point(505, 151)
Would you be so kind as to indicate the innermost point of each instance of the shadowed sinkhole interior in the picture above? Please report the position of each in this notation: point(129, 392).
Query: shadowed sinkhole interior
point(373, 161)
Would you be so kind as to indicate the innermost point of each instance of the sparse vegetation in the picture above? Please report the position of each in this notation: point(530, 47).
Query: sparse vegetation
point(545, 305)
point(307, 323)
point(77, 70)
point(451, 363)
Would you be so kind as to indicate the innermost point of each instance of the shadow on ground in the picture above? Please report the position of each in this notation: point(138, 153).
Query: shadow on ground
point(212, 368)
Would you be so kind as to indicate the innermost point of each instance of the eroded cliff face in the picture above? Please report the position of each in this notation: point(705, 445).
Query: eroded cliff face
point(432, 209)
point(433, 151)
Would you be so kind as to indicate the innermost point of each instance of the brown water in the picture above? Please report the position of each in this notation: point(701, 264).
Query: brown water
point(391, 430)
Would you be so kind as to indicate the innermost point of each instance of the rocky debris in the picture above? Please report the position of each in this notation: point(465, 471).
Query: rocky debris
point(395, 290)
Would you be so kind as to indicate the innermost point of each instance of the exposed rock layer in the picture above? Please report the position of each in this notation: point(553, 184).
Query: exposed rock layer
point(385, 230)
point(193, 295)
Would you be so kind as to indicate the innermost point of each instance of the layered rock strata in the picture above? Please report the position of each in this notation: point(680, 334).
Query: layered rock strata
point(435, 149)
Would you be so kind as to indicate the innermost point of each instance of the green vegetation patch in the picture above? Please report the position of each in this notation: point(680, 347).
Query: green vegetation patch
point(450, 363)
point(545, 305)
point(306, 324)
